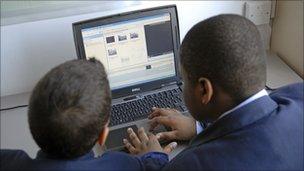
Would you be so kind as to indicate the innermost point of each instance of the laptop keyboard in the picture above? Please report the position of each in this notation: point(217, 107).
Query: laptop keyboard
point(141, 108)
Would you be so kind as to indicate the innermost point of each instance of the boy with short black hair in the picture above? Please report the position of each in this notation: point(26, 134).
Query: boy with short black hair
point(237, 125)
point(68, 113)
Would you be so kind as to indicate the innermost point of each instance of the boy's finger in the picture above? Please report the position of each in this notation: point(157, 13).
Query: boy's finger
point(133, 137)
point(152, 138)
point(129, 146)
point(170, 147)
point(170, 135)
point(153, 124)
point(142, 135)
point(162, 120)
point(154, 113)
point(158, 112)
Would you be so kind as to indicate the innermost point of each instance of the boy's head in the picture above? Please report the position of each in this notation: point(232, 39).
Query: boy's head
point(222, 61)
point(69, 108)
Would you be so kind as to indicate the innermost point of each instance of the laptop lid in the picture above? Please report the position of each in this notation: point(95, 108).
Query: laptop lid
point(139, 49)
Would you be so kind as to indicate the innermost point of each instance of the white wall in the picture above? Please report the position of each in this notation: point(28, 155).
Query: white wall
point(287, 34)
point(29, 50)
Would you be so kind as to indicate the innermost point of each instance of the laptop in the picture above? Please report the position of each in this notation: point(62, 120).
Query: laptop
point(139, 51)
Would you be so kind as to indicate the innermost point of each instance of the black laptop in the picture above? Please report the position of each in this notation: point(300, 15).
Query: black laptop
point(139, 50)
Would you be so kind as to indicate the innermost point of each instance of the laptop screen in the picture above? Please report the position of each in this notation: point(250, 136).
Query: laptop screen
point(134, 51)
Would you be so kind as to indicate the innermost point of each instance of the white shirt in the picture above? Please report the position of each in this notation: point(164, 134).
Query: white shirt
point(261, 93)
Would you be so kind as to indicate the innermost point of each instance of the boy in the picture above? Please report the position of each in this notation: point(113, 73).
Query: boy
point(69, 112)
point(237, 125)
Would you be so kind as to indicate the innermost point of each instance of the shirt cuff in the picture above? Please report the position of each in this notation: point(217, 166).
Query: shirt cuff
point(199, 128)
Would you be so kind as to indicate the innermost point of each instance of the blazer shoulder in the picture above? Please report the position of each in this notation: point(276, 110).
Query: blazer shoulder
point(121, 160)
point(189, 160)
point(13, 158)
point(13, 154)
point(292, 91)
point(118, 155)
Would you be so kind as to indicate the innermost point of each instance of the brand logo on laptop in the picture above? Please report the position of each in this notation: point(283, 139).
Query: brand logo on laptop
point(135, 89)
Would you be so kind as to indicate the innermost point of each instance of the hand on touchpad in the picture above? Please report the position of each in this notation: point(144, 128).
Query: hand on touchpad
point(114, 140)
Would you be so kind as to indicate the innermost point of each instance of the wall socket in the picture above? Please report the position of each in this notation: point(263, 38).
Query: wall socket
point(258, 11)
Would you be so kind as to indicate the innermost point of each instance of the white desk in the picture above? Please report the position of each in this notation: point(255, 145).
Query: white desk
point(278, 73)
point(15, 133)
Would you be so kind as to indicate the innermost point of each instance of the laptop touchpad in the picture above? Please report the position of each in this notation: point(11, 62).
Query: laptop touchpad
point(114, 140)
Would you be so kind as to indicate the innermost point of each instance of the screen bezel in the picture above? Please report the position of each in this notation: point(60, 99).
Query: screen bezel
point(143, 87)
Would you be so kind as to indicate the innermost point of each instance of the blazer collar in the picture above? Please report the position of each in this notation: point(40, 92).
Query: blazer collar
point(42, 155)
point(239, 118)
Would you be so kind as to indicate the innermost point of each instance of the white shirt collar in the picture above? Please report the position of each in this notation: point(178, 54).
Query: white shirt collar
point(250, 99)
point(261, 93)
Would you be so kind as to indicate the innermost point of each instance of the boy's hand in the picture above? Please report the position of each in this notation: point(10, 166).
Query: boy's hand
point(182, 127)
point(144, 143)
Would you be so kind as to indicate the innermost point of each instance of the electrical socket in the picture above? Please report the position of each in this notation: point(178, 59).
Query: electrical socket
point(258, 11)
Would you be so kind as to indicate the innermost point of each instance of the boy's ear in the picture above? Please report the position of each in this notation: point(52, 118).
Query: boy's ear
point(205, 89)
point(103, 135)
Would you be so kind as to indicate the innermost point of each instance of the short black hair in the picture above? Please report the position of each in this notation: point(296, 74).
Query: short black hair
point(227, 49)
point(69, 107)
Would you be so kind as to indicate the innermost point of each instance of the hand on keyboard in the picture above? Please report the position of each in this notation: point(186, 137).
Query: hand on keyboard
point(182, 127)
point(142, 143)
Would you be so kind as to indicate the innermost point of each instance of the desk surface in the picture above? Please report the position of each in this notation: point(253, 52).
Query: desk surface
point(16, 135)
point(278, 73)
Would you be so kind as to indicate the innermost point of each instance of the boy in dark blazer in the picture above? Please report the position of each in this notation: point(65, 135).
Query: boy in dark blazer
point(68, 113)
point(237, 125)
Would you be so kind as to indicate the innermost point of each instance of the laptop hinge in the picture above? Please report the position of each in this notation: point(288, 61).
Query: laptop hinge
point(168, 84)
point(179, 83)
